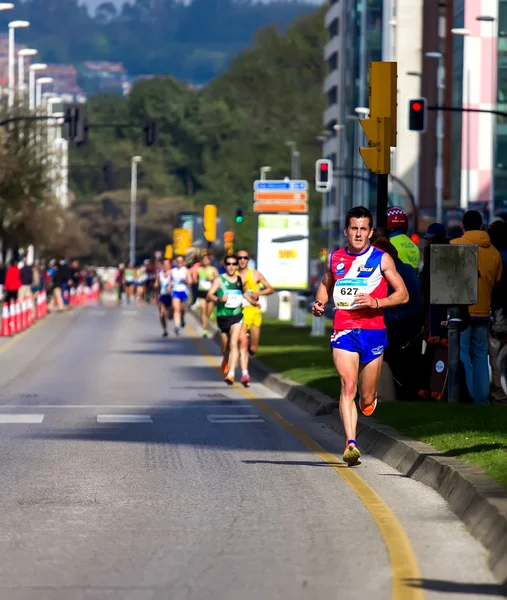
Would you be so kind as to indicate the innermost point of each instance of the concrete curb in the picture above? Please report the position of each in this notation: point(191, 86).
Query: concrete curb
point(477, 500)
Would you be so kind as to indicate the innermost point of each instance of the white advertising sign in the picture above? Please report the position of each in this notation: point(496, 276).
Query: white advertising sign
point(283, 250)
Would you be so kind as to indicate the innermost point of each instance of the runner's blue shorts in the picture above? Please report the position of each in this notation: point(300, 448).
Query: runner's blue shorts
point(181, 296)
point(368, 343)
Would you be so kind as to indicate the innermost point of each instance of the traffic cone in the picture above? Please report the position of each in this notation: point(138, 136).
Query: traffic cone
point(6, 329)
point(22, 307)
point(44, 305)
point(19, 326)
point(31, 311)
point(12, 318)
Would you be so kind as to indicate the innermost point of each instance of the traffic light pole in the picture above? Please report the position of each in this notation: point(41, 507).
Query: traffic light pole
point(382, 201)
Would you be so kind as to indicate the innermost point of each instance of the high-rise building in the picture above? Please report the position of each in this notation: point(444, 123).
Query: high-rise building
point(354, 39)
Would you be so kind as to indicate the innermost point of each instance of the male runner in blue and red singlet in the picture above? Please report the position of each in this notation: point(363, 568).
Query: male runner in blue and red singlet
point(357, 279)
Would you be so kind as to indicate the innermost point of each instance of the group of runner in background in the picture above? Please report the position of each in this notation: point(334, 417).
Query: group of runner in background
point(233, 286)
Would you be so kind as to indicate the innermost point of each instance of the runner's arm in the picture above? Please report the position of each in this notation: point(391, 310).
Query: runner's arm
point(268, 290)
point(211, 295)
point(323, 293)
point(251, 300)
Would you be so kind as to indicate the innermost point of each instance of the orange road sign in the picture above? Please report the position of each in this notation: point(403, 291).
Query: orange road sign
point(273, 207)
point(272, 195)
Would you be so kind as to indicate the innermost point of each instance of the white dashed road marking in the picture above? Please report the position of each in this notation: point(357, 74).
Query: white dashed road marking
point(124, 419)
point(17, 418)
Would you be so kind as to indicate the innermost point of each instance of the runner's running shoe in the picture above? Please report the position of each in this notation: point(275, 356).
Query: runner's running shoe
point(352, 455)
point(368, 410)
point(229, 379)
point(245, 380)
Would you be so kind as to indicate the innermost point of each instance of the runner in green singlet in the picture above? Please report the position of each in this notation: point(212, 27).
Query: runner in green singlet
point(206, 275)
point(130, 278)
point(227, 291)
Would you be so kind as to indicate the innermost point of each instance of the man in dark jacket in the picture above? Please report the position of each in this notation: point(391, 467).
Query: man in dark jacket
point(26, 276)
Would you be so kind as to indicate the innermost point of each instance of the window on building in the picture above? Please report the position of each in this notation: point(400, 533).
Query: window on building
point(332, 96)
point(332, 62)
point(334, 28)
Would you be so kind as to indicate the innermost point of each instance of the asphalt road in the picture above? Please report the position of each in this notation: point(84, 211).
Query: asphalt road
point(130, 471)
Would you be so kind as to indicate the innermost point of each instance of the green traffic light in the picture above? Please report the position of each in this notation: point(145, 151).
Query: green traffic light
point(239, 219)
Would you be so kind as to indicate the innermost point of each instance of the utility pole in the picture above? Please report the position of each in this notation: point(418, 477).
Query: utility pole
point(133, 202)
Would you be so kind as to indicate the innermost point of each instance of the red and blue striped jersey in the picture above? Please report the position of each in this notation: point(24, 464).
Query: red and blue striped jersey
point(357, 274)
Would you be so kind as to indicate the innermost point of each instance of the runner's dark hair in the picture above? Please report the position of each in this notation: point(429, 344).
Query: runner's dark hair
point(358, 212)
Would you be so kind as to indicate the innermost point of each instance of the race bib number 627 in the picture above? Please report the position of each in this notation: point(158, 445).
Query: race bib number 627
point(346, 290)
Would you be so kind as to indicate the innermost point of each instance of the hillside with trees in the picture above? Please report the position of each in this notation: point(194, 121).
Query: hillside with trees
point(193, 42)
point(212, 142)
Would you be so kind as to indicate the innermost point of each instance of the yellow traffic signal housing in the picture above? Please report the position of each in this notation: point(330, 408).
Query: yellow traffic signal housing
point(182, 240)
point(210, 223)
point(377, 157)
point(383, 94)
point(168, 251)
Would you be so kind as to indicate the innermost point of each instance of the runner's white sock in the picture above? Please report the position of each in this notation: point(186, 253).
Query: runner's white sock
point(230, 374)
point(244, 372)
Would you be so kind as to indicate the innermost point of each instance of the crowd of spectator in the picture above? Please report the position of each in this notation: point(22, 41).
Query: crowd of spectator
point(483, 325)
point(20, 280)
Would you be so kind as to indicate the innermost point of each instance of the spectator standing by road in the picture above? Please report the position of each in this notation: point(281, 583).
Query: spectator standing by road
point(404, 325)
point(498, 327)
point(397, 229)
point(474, 340)
point(12, 281)
point(26, 276)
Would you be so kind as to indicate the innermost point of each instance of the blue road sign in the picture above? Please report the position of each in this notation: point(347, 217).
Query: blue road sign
point(296, 185)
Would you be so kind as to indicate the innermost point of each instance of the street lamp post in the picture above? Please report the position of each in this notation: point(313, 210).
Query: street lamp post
point(21, 67)
point(38, 87)
point(133, 201)
point(466, 32)
point(294, 160)
point(13, 25)
point(31, 82)
point(440, 134)
point(264, 170)
point(5, 6)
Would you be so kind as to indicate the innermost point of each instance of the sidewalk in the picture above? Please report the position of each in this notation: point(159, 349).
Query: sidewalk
point(477, 434)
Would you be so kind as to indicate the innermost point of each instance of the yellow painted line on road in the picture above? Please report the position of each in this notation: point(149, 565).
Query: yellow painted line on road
point(20, 336)
point(404, 568)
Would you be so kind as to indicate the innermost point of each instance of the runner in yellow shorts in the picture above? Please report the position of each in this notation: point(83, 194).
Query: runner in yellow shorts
point(256, 285)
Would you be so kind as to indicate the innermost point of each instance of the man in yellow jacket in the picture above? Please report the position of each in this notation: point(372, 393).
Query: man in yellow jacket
point(474, 340)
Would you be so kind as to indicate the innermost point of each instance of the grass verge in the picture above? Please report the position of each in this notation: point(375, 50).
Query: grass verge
point(476, 434)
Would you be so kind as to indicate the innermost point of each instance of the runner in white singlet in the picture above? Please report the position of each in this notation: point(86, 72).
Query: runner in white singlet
point(181, 280)
point(163, 283)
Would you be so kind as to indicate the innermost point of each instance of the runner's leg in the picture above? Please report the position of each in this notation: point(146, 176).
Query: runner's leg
point(243, 356)
point(369, 375)
point(177, 313)
point(347, 366)
point(224, 337)
point(233, 350)
point(255, 336)
point(203, 305)
point(183, 309)
point(163, 322)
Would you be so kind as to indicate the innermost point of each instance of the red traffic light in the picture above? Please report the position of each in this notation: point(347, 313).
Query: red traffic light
point(417, 106)
point(323, 167)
